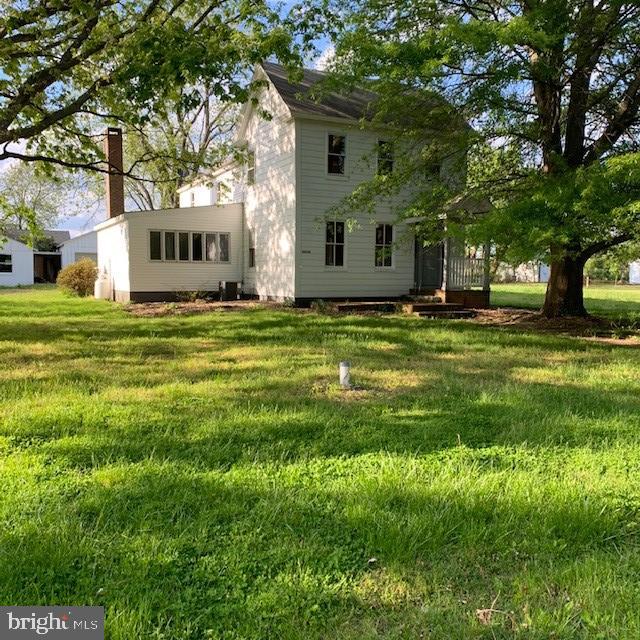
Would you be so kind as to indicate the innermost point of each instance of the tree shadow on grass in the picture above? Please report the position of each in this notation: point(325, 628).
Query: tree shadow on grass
point(287, 552)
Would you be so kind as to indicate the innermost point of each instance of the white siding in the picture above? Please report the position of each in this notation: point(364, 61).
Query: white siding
point(113, 255)
point(198, 195)
point(149, 275)
point(270, 206)
point(79, 247)
point(317, 192)
point(225, 188)
point(22, 264)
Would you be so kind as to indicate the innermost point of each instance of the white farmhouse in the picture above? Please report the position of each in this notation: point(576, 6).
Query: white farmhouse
point(263, 227)
point(22, 265)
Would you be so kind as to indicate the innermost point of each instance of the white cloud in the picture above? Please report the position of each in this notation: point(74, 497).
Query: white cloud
point(325, 58)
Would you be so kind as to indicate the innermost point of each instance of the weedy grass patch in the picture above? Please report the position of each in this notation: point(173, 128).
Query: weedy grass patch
point(205, 477)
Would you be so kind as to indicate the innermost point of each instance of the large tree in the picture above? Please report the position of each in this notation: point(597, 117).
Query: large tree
point(556, 80)
point(66, 65)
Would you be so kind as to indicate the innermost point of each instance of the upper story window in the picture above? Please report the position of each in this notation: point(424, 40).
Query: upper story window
point(251, 168)
point(385, 158)
point(384, 245)
point(252, 249)
point(6, 263)
point(192, 199)
point(334, 244)
point(336, 154)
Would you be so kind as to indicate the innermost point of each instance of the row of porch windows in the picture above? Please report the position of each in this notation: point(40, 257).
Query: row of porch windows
point(185, 246)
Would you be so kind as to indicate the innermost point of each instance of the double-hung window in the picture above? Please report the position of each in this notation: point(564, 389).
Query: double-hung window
point(6, 263)
point(336, 154)
point(334, 244)
point(384, 245)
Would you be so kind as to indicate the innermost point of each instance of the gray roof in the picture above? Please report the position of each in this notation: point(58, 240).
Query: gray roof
point(298, 95)
point(58, 236)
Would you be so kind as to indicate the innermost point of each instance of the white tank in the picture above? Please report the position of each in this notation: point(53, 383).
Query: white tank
point(102, 287)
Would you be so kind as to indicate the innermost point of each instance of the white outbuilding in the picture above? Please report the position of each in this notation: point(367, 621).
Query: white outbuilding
point(84, 245)
point(16, 263)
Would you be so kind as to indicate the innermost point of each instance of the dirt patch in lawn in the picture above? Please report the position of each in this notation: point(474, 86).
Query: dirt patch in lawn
point(591, 327)
point(160, 309)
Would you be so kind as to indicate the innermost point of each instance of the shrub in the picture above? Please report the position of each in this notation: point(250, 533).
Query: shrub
point(78, 278)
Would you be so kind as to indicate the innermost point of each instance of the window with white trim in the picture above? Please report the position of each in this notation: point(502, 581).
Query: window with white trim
point(170, 245)
point(155, 245)
point(336, 154)
point(217, 247)
point(334, 244)
point(384, 245)
point(196, 247)
point(252, 249)
point(183, 246)
point(6, 263)
point(193, 199)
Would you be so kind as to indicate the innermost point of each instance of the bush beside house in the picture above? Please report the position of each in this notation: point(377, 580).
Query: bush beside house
point(79, 277)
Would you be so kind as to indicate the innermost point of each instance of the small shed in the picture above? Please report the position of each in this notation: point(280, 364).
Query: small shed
point(84, 245)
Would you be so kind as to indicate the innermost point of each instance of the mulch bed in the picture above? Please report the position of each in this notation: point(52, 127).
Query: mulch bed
point(591, 327)
point(161, 309)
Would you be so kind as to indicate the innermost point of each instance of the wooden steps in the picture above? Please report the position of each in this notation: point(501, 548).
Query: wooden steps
point(384, 306)
point(421, 306)
point(438, 310)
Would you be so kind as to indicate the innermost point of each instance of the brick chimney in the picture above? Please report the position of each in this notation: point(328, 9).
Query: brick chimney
point(114, 179)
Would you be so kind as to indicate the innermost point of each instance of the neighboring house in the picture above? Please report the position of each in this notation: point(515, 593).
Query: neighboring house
point(16, 264)
point(21, 264)
point(269, 232)
point(634, 272)
point(526, 272)
point(84, 245)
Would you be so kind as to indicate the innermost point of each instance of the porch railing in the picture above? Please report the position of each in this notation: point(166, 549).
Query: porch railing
point(466, 273)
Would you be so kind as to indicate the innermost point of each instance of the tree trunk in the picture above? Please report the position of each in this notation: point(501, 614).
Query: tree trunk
point(564, 290)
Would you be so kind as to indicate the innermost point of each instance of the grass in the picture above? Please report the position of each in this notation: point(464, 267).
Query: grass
point(605, 300)
point(204, 477)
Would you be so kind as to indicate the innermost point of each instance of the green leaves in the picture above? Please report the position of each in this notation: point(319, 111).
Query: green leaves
point(67, 68)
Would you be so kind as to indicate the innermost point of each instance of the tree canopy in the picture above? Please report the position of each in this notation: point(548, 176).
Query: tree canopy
point(66, 66)
point(551, 91)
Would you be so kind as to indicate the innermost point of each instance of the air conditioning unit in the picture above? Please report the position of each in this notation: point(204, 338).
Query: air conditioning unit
point(228, 290)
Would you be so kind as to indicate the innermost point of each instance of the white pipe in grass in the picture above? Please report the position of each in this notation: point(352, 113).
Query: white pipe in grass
point(345, 375)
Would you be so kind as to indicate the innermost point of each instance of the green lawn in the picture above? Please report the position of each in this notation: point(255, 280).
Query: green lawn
point(599, 299)
point(204, 477)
